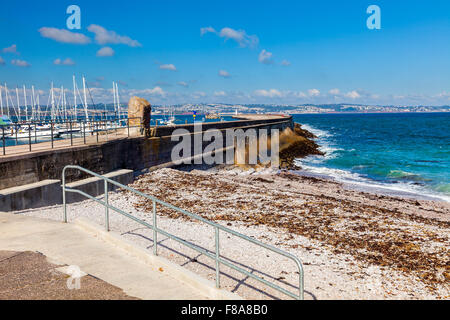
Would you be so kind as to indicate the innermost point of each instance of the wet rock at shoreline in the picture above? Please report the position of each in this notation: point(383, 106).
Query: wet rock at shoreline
point(294, 144)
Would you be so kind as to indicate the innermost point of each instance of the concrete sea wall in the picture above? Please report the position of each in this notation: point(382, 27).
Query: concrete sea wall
point(135, 153)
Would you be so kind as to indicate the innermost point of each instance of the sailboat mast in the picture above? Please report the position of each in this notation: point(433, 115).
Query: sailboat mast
point(7, 102)
point(75, 97)
point(118, 100)
point(114, 94)
point(64, 103)
point(52, 102)
point(38, 108)
point(1, 101)
point(26, 103)
point(85, 99)
point(18, 102)
point(33, 104)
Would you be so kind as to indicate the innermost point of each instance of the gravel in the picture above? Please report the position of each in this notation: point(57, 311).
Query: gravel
point(328, 275)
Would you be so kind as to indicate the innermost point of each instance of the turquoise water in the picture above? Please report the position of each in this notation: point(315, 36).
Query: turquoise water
point(398, 152)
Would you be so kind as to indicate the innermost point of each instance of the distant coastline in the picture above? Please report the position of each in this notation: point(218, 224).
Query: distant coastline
point(381, 112)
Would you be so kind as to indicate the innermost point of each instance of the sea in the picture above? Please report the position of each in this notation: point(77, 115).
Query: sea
point(404, 154)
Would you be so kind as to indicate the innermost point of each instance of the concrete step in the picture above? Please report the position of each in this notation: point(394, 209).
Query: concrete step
point(49, 192)
point(34, 195)
point(68, 244)
point(95, 186)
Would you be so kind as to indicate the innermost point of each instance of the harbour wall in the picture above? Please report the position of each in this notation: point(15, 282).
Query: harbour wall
point(135, 153)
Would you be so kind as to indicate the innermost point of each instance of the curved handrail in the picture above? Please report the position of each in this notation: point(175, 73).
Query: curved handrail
point(156, 230)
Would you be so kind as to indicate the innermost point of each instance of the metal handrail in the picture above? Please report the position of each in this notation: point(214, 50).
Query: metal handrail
point(93, 127)
point(157, 231)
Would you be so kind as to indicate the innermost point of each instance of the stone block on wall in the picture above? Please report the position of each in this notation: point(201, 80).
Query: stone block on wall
point(139, 113)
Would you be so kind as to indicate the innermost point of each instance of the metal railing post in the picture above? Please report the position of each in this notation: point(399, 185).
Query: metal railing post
point(301, 285)
point(71, 136)
point(96, 129)
point(35, 132)
point(155, 233)
point(217, 259)
point(29, 136)
point(51, 131)
point(128, 126)
point(84, 132)
point(4, 141)
point(64, 195)
point(106, 207)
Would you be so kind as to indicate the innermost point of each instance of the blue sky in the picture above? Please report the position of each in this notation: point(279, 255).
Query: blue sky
point(288, 52)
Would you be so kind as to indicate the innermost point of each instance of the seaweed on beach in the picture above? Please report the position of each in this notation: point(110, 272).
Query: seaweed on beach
point(372, 234)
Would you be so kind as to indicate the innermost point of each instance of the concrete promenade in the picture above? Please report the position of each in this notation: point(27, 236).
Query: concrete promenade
point(69, 244)
point(111, 135)
point(24, 149)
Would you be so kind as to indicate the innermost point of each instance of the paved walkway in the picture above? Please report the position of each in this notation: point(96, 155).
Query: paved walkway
point(67, 244)
point(58, 144)
point(29, 275)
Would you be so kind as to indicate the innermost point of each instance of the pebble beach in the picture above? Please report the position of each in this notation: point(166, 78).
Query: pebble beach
point(353, 244)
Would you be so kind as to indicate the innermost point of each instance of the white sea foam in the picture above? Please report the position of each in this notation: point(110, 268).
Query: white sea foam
point(326, 145)
point(313, 165)
point(357, 181)
point(317, 132)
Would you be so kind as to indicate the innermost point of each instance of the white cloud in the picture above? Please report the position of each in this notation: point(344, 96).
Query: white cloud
point(285, 63)
point(443, 95)
point(2, 62)
point(206, 30)
point(314, 92)
point(198, 95)
point(105, 52)
point(103, 36)
point(334, 92)
point(20, 63)
point(224, 74)
point(272, 93)
point(240, 36)
point(11, 49)
point(66, 62)
point(220, 94)
point(265, 57)
point(183, 84)
point(299, 95)
point(64, 36)
point(156, 91)
point(353, 94)
point(168, 67)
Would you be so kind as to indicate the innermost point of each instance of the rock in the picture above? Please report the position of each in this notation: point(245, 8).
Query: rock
point(139, 113)
point(302, 132)
point(294, 144)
